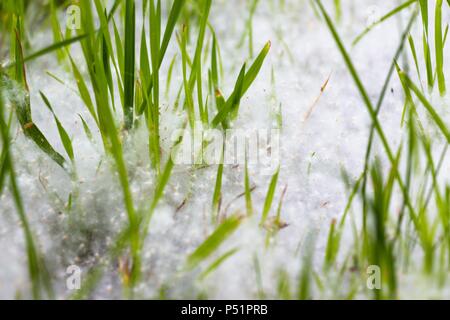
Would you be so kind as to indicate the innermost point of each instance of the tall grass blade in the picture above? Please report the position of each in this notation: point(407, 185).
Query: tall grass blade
point(65, 139)
point(439, 47)
point(129, 63)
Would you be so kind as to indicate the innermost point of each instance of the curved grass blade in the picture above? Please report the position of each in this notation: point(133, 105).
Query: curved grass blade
point(247, 81)
point(32, 132)
point(86, 129)
point(232, 105)
point(382, 19)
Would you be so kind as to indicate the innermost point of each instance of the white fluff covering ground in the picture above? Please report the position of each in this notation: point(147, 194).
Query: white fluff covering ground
point(313, 151)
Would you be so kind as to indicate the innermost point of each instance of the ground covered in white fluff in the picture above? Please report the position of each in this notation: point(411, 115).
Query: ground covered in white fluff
point(314, 148)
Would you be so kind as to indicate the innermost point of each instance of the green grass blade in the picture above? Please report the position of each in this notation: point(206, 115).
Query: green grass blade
point(414, 53)
point(439, 46)
point(49, 49)
point(218, 262)
point(86, 129)
point(170, 26)
point(83, 90)
point(212, 243)
point(382, 19)
point(129, 63)
point(269, 196)
point(247, 81)
point(424, 12)
point(217, 195)
point(119, 50)
point(214, 65)
point(231, 105)
point(254, 69)
point(4, 153)
point(31, 131)
point(169, 75)
point(186, 83)
point(163, 180)
point(56, 29)
point(433, 113)
point(428, 62)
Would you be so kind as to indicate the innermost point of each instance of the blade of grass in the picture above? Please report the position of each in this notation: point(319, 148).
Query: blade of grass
point(155, 38)
point(65, 139)
point(217, 263)
point(269, 196)
point(23, 110)
point(232, 105)
point(212, 243)
point(196, 69)
point(5, 148)
point(382, 19)
point(129, 63)
point(439, 46)
point(83, 90)
point(86, 129)
point(217, 195)
point(247, 81)
point(425, 41)
point(159, 189)
point(248, 192)
point(56, 29)
point(433, 113)
point(49, 49)
point(414, 53)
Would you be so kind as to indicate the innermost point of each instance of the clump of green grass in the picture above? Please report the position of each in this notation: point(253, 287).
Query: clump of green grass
point(384, 239)
point(386, 236)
